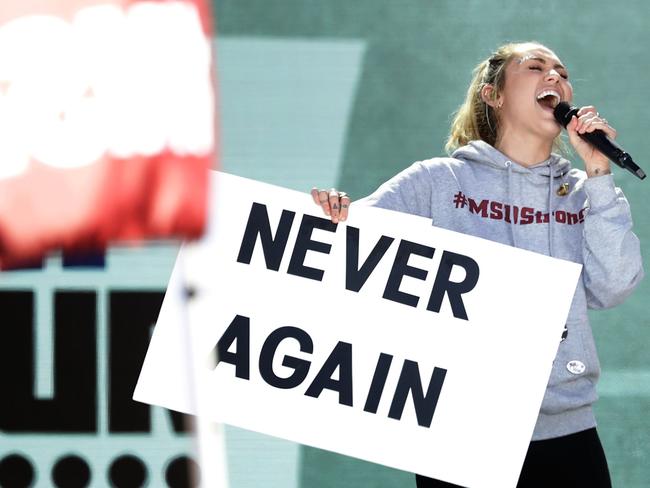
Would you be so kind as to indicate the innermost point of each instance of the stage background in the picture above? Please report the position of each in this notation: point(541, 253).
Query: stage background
point(328, 92)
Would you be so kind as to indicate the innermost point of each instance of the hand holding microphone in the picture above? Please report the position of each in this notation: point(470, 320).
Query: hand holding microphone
point(564, 113)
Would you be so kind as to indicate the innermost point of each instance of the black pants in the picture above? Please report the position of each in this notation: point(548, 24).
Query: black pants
point(572, 461)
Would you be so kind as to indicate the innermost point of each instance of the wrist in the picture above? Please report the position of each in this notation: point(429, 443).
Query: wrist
point(598, 171)
point(601, 192)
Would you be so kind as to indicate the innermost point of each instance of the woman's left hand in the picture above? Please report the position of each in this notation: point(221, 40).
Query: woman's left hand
point(589, 120)
point(334, 203)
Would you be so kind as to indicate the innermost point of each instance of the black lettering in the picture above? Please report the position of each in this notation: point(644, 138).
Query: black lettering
point(356, 277)
point(425, 405)
point(73, 408)
point(453, 290)
point(239, 330)
point(304, 243)
point(132, 315)
point(258, 225)
point(300, 366)
point(378, 383)
point(401, 268)
point(341, 358)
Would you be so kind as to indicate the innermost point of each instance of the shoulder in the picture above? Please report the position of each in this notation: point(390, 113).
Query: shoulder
point(443, 163)
point(437, 172)
point(441, 166)
point(429, 170)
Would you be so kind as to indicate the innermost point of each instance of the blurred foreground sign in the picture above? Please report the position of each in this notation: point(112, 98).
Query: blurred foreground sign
point(382, 338)
point(107, 122)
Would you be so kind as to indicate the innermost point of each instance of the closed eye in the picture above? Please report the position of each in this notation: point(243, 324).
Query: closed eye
point(535, 67)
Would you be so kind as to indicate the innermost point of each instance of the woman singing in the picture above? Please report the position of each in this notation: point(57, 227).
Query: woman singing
point(501, 143)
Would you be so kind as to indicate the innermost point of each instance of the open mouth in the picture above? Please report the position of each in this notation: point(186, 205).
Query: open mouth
point(548, 99)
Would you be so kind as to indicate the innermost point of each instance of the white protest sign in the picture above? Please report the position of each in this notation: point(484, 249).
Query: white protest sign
point(382, 338)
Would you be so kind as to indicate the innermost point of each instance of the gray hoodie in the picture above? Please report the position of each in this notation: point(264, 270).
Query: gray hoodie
point(548, 208)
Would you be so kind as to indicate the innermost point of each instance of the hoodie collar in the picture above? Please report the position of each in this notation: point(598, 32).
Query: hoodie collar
point(481, 152)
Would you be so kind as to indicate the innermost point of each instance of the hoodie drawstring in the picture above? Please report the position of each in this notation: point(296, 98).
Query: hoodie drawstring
point(550, 210)
point(513, 233)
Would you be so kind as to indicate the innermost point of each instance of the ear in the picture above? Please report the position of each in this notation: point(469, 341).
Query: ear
point(489, 95)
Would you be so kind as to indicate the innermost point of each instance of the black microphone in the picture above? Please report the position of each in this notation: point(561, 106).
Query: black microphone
point(564, 112)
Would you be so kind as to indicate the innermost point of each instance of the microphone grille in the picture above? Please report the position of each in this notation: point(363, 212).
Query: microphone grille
point(563, 113)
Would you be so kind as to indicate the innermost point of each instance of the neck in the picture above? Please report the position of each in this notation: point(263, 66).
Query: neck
point(527, 150)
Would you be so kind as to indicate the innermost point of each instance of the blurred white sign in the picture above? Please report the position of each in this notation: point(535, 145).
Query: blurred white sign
point(382, 338)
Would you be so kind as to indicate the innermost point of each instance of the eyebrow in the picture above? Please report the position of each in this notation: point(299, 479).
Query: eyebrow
point(542, 60)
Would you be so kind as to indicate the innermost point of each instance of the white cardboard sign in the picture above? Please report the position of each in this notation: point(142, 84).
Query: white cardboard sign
point(382, 338)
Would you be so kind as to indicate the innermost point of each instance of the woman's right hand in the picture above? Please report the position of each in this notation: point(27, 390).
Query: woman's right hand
point(334, 203)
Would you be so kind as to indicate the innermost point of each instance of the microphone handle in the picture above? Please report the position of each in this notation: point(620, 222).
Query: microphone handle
point(613, 151)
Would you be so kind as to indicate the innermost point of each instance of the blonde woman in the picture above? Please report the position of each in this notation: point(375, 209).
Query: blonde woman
point(503, 182)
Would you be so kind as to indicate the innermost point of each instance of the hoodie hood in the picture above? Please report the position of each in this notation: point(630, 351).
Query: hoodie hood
point(481, 152)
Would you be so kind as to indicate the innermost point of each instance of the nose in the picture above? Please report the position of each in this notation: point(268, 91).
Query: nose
point(553, 75)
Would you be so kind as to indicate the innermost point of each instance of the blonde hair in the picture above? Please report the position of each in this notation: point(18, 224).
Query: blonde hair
point(475, 119)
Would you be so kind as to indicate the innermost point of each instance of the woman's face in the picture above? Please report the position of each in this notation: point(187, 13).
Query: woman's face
point(535, 82)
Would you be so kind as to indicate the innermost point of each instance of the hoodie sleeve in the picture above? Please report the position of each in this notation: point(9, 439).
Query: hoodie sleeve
point(611, 252)
point(409, 191)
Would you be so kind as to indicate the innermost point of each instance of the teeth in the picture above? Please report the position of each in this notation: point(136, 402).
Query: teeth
point(552, 93)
